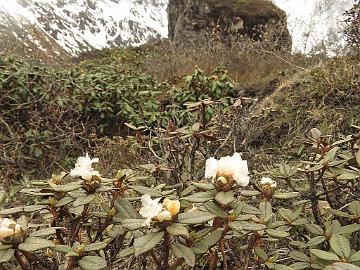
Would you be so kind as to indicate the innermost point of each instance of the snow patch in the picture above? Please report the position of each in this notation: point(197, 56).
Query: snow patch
point(315, 24)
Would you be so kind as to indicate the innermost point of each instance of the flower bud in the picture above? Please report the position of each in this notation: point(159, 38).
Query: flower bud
point(222, 179)
point(172, 206)
point(92, 184)
point(315, 134)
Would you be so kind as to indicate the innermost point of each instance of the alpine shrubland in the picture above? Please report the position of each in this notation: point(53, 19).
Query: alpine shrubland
point(163, 157)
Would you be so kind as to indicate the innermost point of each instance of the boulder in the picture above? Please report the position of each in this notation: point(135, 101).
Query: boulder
point(195, 20)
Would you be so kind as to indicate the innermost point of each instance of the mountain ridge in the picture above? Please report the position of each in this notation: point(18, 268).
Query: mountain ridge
point(82, 25)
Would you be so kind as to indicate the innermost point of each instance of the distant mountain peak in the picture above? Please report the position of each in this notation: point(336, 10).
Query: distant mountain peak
point(81, 25)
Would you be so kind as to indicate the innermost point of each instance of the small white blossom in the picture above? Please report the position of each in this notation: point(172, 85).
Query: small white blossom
point(228, 167)
point(151, 208)
point(268, 181)
point(83, 168)
point(9, 227)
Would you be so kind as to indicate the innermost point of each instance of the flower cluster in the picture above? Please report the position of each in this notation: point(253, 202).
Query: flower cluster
point(228, 169)
point(83, 168)
point(153, 209)
point(9, 228)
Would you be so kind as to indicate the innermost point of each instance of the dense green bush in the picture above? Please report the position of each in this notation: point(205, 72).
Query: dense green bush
point(48, 115)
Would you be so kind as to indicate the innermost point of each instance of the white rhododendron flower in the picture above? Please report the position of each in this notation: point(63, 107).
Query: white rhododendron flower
point(9, 227)
point(151, 208)
point(83, 168)
point(228, 167)
point(268, 181)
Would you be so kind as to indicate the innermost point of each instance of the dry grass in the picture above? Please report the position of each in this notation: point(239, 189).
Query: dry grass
point(325, 97)
point(252, 64)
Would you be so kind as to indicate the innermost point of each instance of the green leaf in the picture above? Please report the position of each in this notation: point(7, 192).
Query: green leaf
point(195, 217)
point(324, 255)
point(300, 265)
point(92, 263)
point(145, 190)
point(33, 244)
point(354, 208)
point(358, 157)
point(225, 198)
point(68, 187)
point(329, 156)
point(62, 249)
point(355, 257)
point(147, 242)
point(34, 208)
point(2, 247)
point(349, 229)
point(266, 209)
point(116, 230)
point(236, 225)
point(339, 213)
point(241, 207)
point(314, 229)
point(340, 245)
point(177, 229)
point(43, 232)
point(286, 195)
point(125, 252)
point(212, 239)
point(181, 251)
point(260, 253)
point(125, 209)
point(277, 233)
point(199, 197)
point(203, 186)
point(316, 241)
point(84, 200)
point(133, 224)
point(11, 211)
point(95, 246)
point(299, 256)
point(283, 267)
point(341, 266)
point(215, 209)
point(64, 201)
point(6, 255)
point(248, 226)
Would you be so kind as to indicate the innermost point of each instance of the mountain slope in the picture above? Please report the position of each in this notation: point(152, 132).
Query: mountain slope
point(315, 25)
point(82, 25)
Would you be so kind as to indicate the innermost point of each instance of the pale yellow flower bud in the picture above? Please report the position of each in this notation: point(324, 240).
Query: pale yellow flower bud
point(172, 206)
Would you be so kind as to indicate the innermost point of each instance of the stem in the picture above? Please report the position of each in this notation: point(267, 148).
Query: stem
point(222, 249)
point(166, 250)
point(23, 264)
point(69, 263)
point(177, 263)
point(39, 263)
point(156, 260)
point(314, 197)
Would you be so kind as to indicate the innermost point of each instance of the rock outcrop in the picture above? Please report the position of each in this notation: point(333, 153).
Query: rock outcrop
point(194, 20)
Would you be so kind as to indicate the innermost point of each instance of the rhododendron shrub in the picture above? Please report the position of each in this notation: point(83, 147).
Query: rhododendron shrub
point(303, 215)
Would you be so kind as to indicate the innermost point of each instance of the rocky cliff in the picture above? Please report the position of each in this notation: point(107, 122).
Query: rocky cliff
point(194, 20)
